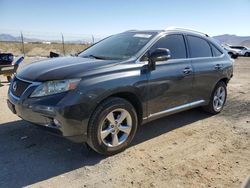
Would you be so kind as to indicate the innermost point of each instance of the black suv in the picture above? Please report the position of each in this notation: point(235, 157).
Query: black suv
point(102, 95)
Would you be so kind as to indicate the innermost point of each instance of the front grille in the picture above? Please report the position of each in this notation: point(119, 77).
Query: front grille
point(18, 86)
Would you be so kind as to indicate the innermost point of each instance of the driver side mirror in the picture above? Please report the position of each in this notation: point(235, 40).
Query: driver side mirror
point(159, 54)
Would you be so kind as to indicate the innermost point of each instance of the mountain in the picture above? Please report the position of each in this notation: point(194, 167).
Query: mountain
point(233, 40)
point(7, 37)
point(11, 38)
point(246, 43)
point(224, 39)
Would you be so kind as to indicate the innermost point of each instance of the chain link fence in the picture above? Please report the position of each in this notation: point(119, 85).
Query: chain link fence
point(41, 44)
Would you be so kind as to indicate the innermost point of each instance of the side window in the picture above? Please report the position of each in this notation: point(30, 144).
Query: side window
point(175, 43)
point(199, 47)
point(216, 52)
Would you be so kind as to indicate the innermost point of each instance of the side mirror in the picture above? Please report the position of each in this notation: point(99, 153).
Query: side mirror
point(159, 54)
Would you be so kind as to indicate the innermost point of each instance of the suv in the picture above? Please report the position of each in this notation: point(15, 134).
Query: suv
point(244, 51)
point(233, 53)
point(102, 95)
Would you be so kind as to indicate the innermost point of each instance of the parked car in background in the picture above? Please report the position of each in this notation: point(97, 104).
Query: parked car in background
point(7, 66)
point(6, 58)
point(233, 53)
point(244, 51)
point(102, 95)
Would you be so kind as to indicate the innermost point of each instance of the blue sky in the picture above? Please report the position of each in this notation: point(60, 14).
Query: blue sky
point(105, 17)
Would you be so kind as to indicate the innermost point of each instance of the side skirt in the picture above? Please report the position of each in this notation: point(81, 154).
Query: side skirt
point(173, 110)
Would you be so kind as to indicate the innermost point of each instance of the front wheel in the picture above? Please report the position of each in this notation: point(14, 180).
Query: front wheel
point(112, 126)
point(217, 99)
point(247, 54)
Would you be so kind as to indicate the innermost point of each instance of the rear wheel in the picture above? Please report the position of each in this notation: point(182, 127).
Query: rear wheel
point(217, 99)
point(112, 126)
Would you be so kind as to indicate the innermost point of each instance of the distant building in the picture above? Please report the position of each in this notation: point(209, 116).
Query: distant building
point(46, 42)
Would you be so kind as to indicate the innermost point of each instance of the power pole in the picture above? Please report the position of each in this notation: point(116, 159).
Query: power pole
point(22, 43)
point(63, 45)
point(93, 39)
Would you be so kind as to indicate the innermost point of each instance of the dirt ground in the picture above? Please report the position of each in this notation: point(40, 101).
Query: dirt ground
point(189, 149)
point(40, 49)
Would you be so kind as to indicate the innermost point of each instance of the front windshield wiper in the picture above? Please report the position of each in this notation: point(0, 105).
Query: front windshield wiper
point(94, 56)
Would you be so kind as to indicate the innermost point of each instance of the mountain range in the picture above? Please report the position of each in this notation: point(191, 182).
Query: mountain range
point(11, 38)
point(233, 40)
point(223, 39)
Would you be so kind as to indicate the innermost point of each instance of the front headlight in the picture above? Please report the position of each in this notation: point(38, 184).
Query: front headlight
point(53, 87)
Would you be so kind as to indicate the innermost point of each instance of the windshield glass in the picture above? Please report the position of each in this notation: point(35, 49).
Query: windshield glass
point(120, 46)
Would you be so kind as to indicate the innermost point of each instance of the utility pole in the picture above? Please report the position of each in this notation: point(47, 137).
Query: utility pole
point(93, 39)
point(22, 43)
point(63, 45)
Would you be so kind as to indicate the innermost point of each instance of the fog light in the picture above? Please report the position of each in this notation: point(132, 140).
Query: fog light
point(57, 123)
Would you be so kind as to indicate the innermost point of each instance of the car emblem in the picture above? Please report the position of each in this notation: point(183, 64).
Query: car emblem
point(14, 86)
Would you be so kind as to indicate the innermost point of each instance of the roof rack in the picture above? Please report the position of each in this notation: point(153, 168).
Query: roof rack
point(184, 29)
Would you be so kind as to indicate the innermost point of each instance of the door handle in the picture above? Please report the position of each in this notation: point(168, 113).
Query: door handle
point(218, 66)
point(187, 70)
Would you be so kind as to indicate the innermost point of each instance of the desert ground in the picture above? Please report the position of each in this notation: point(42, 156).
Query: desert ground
point(40, 49)
point(189, 149)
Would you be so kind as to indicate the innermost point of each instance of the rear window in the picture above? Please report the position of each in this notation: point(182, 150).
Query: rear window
point(199, 47)
point(216, 52)
point(237, 47)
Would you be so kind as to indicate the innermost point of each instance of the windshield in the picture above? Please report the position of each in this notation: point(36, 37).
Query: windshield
point(120, 46)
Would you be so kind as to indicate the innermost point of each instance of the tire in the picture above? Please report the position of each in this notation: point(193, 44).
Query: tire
point(212, 107)
point(230, 54)
point(247, 54)
point(106, 135)
point(235, 56)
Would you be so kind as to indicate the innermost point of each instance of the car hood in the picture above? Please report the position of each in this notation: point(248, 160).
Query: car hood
point(63, 68)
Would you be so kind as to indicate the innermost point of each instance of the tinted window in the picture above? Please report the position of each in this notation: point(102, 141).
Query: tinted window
point(216, 52)
point(237, 47)
point(175, 43)
point(199, 47)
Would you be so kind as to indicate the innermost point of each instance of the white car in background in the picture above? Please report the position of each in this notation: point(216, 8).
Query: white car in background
point(244, 51)
point(233, 53)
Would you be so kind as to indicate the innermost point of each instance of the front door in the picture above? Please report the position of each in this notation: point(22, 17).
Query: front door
point(170, 84)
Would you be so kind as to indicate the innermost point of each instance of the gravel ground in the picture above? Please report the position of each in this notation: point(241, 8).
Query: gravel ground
point(189, 149)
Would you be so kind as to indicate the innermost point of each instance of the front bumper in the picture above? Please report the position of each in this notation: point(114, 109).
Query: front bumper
point(61, 118)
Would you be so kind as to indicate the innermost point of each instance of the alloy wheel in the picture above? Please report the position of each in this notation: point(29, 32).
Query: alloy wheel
point(219, 98)
point(116, 127)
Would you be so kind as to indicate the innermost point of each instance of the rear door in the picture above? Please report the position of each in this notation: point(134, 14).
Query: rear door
point(205, 66)
point(170, 84)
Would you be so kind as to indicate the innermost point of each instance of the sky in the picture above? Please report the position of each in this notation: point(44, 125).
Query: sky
point(106, 17)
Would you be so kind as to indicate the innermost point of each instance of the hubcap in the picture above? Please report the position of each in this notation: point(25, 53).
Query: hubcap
point(116, 127)
point(219, 98)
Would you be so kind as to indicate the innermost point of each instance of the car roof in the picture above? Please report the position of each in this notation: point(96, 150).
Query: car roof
point(171, 30)
point(179, 31)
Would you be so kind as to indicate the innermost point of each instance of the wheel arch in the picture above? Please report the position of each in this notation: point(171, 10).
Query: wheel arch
point(129, 94)
point(225, 80)
point(134, 100)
